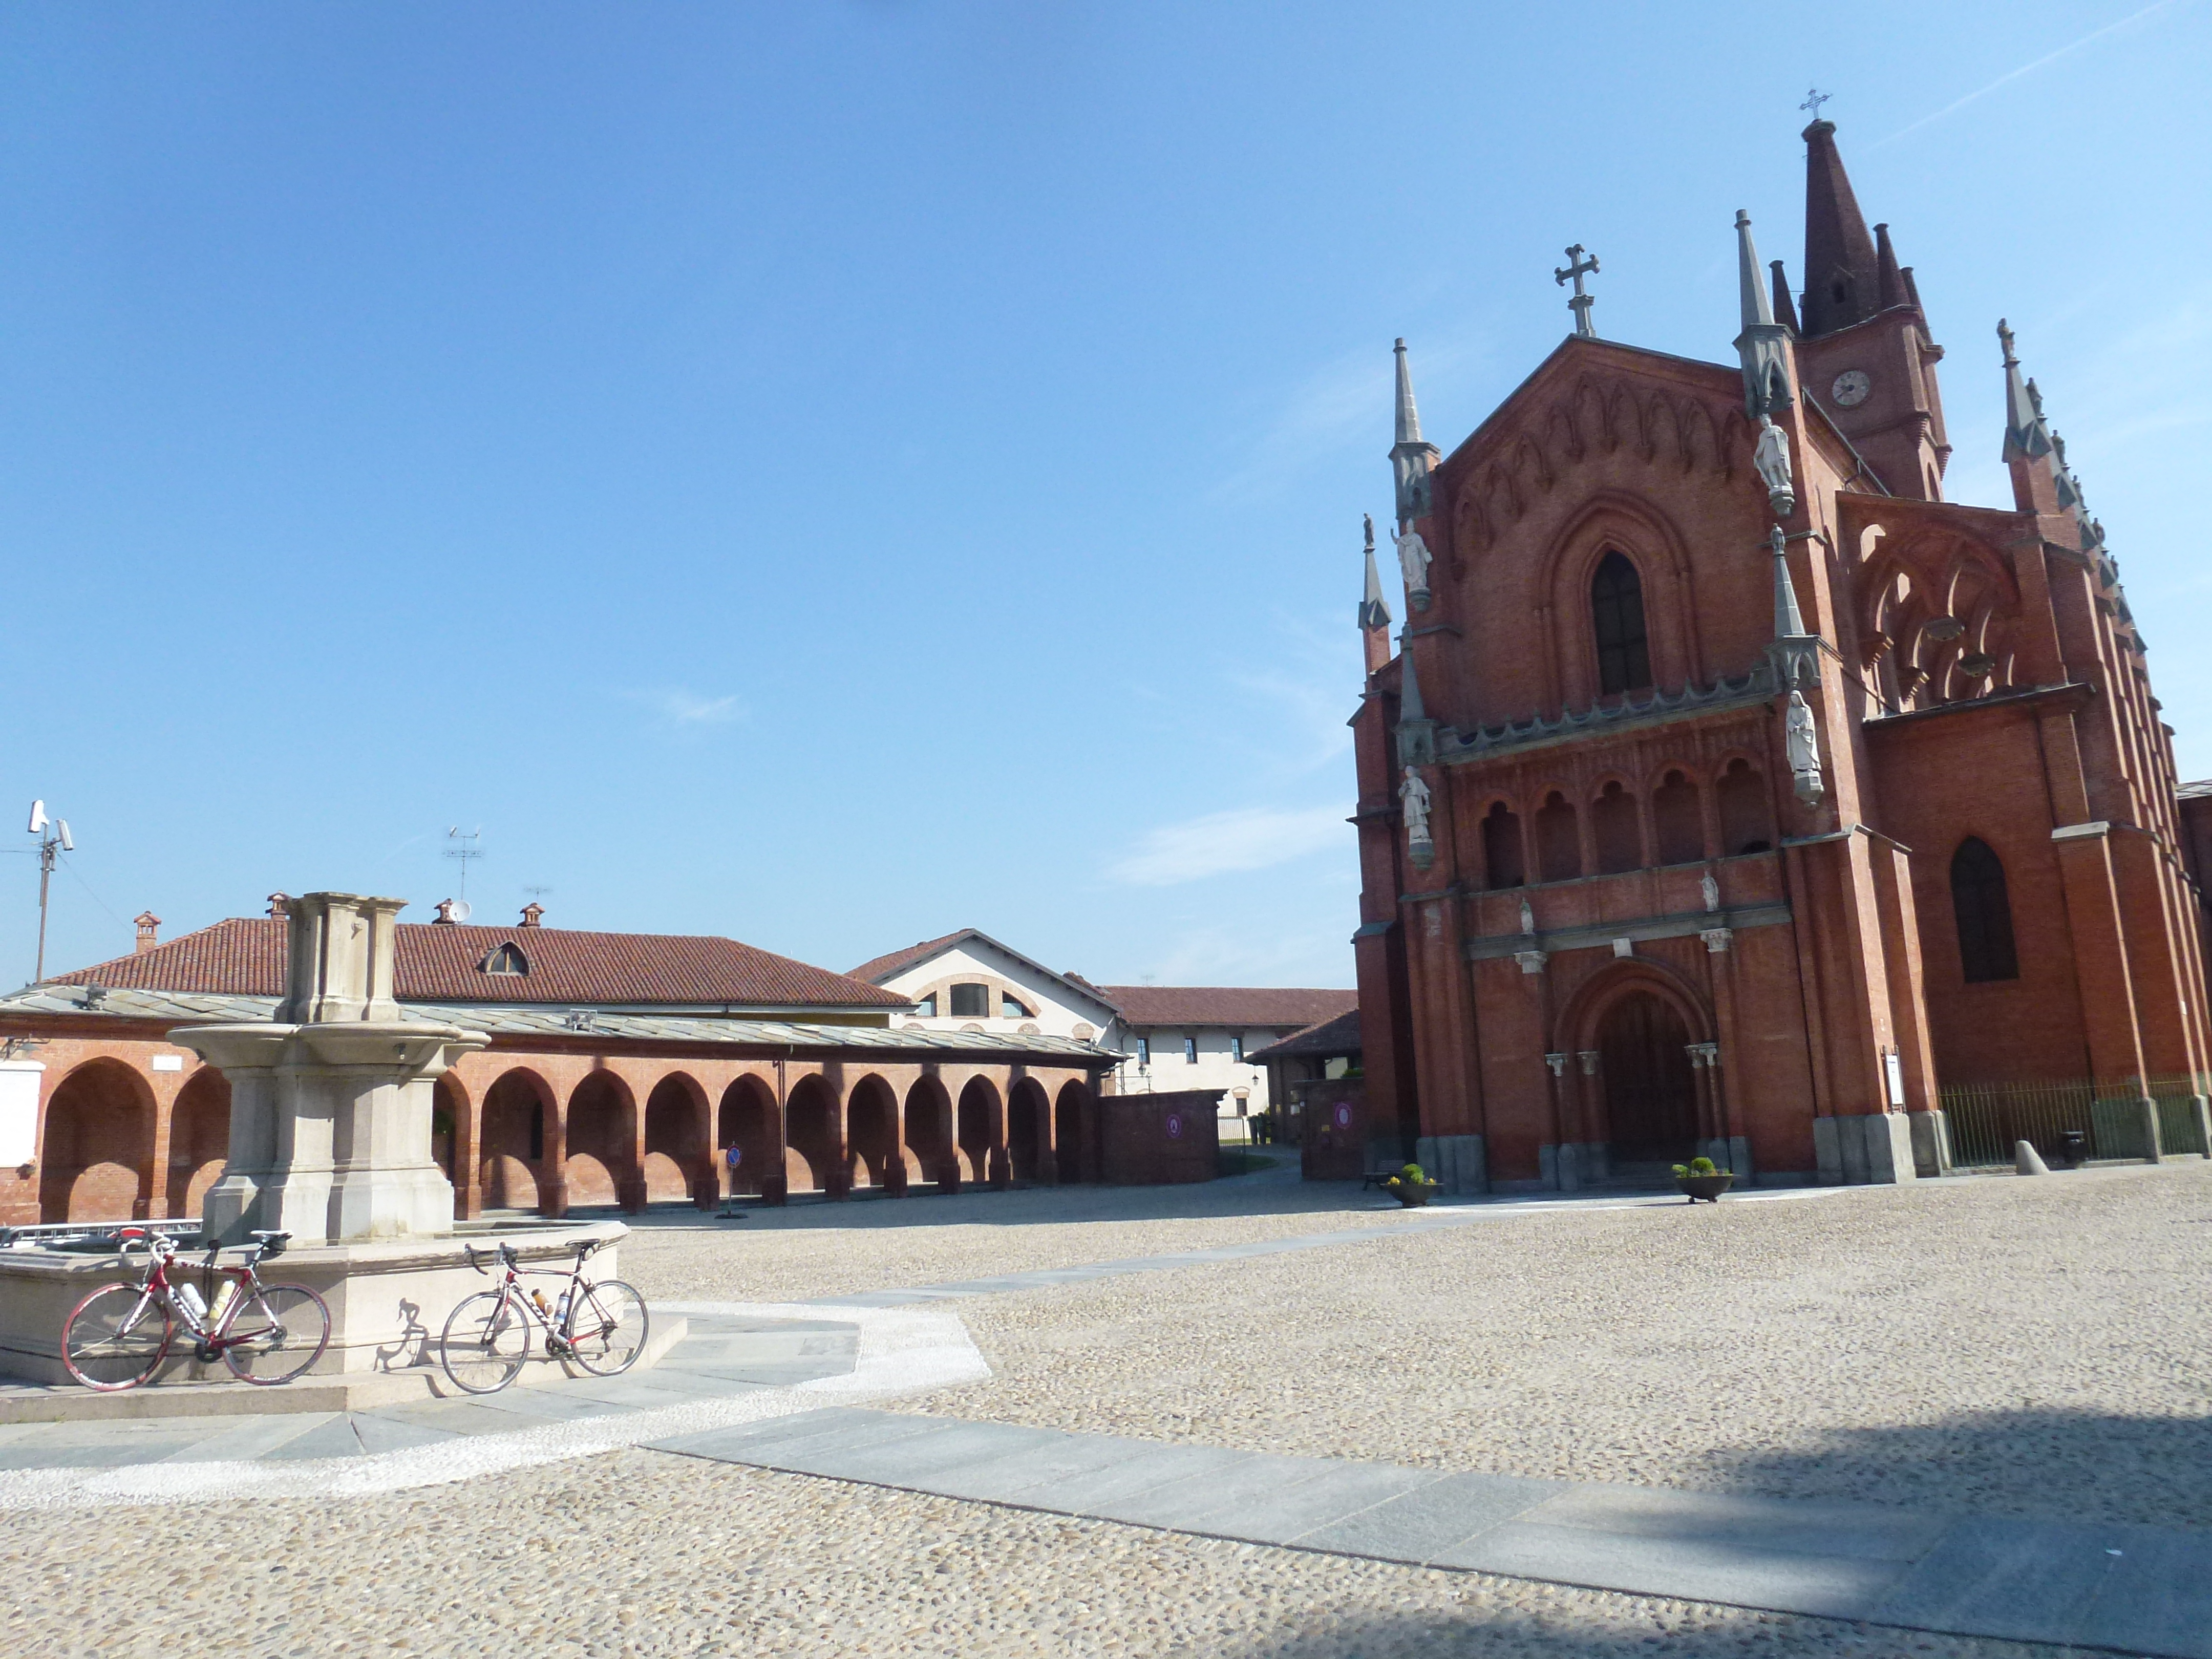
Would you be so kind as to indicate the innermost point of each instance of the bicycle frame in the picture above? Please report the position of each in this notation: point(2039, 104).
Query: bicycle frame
point(211, 1339)
point(558, 1338)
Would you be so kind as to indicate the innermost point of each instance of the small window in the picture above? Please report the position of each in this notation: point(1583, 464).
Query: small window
point(927, 1006)
point(1236, 1050)
point(507, 961)
point(971, 1001)
point(1984, 910)
point(1144, 1051)
point(1014, 1008)
point(1190, 1051)
point(1624, 655)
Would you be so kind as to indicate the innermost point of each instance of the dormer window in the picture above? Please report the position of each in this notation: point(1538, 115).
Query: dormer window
point(507, 962)
point(971, 1002)
point(1012, 1008)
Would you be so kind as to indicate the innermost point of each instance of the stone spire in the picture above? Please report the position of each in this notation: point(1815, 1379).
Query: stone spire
point(1373, 611)
point(1411, 459)
point(1762, 345)
point(2026, 436)
point(1417, 732)
point(1842, 275)
point(1788, 621)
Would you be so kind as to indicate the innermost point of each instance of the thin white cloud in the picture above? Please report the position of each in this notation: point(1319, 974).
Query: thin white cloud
point(679, 706)
point(2025, 68)
point(1222, 843)
point(1319, 955)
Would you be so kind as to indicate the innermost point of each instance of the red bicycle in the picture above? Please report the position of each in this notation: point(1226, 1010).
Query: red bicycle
point(118, 1337)
point(600, 1324)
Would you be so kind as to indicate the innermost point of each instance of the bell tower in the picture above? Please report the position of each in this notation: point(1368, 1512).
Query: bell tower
point(1866, 360)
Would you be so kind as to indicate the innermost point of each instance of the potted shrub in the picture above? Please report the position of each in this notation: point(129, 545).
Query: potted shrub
point(1701, 1178)
point(1410, 1186)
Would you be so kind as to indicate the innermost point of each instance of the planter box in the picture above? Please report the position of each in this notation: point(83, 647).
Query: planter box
point(1708, 1187)
point(1414, 1197)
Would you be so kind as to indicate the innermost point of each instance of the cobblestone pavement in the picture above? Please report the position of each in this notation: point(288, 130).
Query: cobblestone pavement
point(2020, 1347)
point(815, 1249)
point(2027, 1347)
point(640, 1554)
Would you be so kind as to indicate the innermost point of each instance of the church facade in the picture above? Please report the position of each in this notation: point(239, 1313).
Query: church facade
point(1725, 789)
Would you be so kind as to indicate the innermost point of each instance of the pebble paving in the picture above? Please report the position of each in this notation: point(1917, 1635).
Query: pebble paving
point(1787, 1348)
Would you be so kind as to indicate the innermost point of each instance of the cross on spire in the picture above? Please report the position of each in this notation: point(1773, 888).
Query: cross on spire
point(1814, 99)
point(1576, 269)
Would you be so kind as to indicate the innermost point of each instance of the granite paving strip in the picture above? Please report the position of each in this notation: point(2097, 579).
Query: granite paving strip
point(1433, 1220)
point(2131, 1589)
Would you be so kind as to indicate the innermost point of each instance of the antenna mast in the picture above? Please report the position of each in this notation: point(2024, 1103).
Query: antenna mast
point(466, 852)
point(53, 836)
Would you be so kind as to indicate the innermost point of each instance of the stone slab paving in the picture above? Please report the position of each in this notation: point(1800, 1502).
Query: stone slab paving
point(2129, 1589)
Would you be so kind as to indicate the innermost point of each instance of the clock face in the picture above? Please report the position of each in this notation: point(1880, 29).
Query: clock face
point(1851, 388)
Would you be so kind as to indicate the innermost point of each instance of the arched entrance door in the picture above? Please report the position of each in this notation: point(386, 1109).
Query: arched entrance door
point(1651, 1098)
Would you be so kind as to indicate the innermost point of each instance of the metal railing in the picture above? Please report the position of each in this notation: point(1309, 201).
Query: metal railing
point(2069, 1120)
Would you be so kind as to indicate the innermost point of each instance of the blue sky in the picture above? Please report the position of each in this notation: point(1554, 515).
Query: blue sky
point(833, 474)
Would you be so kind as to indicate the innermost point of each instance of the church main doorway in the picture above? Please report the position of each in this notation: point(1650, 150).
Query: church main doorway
point(1651, 1098)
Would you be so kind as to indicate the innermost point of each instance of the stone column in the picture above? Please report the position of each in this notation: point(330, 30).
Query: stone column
point(330, 1100)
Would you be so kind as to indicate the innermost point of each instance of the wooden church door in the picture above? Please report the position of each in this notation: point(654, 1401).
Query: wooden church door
point(1649, 1095)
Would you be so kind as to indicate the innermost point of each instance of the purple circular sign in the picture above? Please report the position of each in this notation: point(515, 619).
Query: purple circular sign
point(1343, 1115)
point(1174, 1127)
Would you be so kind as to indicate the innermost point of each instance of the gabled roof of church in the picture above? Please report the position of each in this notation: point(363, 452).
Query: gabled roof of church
point(1726, 378)
point(439, 962)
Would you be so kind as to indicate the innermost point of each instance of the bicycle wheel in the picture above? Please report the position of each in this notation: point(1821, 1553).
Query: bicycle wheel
point(484, 1343)
point(117, 1338)
point(609, 1324)
point(279, 1335)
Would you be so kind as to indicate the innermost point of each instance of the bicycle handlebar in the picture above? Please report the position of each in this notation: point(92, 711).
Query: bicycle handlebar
point(502, 1252)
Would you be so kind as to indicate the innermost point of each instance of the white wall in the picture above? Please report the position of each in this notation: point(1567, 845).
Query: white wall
point(1055, 1010)
point(1216, 1067)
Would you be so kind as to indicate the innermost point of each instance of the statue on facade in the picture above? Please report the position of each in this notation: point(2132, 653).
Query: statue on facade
point(1415, 795)
point(1711, 889)
point(1413, 560)
point(1770, 456)
point(1804, 749)
point(1528, 920)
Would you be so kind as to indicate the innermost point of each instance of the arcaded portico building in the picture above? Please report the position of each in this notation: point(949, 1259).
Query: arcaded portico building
point(1729, 789)
point(620, 1067)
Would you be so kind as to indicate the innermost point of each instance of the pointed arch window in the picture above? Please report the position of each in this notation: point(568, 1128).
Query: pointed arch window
point(1624, 655)
point(508, 961)
point(1984, 910)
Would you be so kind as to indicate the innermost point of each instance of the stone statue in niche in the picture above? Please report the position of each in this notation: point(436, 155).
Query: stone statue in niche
point(1770, 456)
point(1711, 889)
point(1804, 749)
point(1415, 795)
point(1528, 920)
point(1413, 560)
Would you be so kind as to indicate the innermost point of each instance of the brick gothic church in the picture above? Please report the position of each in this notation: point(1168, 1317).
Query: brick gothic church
point(1730, 790)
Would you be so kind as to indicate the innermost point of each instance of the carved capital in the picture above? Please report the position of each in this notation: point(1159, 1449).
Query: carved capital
point(1558, 1063)
point(1589, 1058)
point(1717, 939)
point(1532, 962)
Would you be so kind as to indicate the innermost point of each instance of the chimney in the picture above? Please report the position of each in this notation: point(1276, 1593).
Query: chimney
point(150, 932)
point(280, 905)
point(533, 915)
point(446, 908)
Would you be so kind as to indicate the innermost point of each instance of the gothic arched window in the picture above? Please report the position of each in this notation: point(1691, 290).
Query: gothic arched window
point(1624, 658)
point(1985, 913)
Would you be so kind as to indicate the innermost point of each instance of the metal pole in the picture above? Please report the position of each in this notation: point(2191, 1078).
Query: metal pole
point(45, 874)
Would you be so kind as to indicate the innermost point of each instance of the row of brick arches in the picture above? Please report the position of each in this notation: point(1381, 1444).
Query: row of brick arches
point(110, 1148)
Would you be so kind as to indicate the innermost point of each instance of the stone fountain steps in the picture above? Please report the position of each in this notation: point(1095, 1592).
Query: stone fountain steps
point(191, 1389)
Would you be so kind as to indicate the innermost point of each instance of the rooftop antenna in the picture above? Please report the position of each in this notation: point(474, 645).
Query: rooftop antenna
point(53, 836)
point(466, 851)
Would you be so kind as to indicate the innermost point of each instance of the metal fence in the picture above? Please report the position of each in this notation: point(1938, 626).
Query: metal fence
point(2069, 1120)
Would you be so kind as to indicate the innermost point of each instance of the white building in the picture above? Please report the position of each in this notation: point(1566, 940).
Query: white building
point(1172, 1036)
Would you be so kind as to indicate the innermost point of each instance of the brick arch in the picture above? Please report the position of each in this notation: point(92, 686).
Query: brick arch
point(978, 1121)
point(872, 1135)
point(96, 1144)
point(1074, 1134)
point(1585, 1010)
point(930, 1154)
point(813, 1138)
point(199, 1140)
point(679, 1164)
point(1613, 521)
point(599, 1143)
point(518, 1128)
point(1028, 1131)
point(747, 1119)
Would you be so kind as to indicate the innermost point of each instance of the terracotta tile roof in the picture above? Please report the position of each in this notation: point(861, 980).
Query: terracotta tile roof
point(1332, 1039)
point(882, 968)
point(438, 963)
point(1226, 1004)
